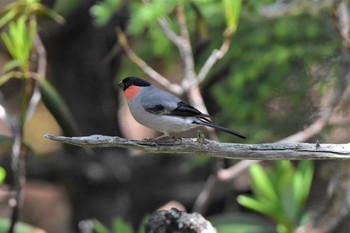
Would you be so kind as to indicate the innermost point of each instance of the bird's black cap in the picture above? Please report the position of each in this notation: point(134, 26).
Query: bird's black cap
point(129, 81)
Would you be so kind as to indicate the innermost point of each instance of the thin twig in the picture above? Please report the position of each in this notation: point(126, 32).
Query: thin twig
point(40, 56)
point(172, 36)
point(216, 55)
point(164, 25)
point(343, 22)
point(176, 89)
point(18, 169)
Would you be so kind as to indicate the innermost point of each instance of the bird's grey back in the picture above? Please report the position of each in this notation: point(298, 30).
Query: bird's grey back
point(154, 96)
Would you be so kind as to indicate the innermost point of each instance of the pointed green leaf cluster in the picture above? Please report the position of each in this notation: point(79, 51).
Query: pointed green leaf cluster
point(18, 41)
point(280, 193)
point(26, 9)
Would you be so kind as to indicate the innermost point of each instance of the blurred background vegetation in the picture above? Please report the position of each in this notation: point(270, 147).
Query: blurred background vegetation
point(60, 61)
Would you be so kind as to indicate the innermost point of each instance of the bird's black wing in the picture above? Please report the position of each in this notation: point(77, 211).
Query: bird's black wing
point(184, 109)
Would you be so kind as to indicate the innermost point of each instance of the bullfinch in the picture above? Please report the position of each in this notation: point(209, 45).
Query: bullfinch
point(162, 111)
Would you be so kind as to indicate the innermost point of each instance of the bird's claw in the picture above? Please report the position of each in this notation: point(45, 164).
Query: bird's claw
point(200, 137)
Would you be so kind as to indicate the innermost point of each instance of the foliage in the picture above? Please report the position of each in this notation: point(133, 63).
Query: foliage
point(241, 223)
point(232, 11)
point(281, 193)
point(19, 20)
point(20, 227)
point(144, 21)
point(20, 16)
point(27, 9)
point(19, 42)
point(119, 225)
point(266, 77)
point(103, 11)
point(2, 175)
point(58, 108)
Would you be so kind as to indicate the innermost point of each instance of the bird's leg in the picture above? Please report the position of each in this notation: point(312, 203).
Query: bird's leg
point(167, 137)
point(161, 137)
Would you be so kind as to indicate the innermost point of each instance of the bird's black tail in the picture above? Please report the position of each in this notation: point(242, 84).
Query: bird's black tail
point(206, 122)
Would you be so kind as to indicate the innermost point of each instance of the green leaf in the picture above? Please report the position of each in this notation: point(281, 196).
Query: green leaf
point(303, 181)
point(119, 225)
point(232, 11)
point(9, 12)
point(4, 78)
point(58, 108)
point(7, 17)
point(20, 227)
point(254, 204)
point(65, 7)
point(142, 224)
point(103, 11)
point(241, 223)
point(99, 227)
point(10, 65)
point(242, 228)
point(261, 184)
point(8, 43)
point(42, 10)
point(2, 175)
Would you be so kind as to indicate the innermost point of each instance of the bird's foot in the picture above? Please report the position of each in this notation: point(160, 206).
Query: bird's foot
point(200, 137)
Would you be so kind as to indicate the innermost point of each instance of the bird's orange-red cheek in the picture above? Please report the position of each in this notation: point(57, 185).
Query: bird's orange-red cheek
point(131, 92)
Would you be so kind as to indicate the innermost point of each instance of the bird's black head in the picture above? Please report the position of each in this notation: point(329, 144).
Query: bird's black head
point(133, 81)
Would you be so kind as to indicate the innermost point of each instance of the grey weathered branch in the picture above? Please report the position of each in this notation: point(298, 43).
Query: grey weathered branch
point(267, 151)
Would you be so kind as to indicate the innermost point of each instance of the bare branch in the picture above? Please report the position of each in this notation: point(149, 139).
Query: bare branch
point(342, 21)
point(216, 55)
point(204, 198)
point(145, 67)
point(164, 25)
point(268, 151)
point(291, 8)
point(41, 57)
point(185, 49)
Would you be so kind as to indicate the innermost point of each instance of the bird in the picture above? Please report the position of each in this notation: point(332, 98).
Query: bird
point(162, 111)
